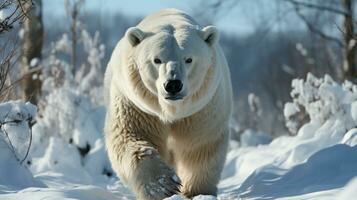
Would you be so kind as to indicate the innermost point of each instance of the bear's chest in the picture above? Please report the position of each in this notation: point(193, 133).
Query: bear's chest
point(192, 128)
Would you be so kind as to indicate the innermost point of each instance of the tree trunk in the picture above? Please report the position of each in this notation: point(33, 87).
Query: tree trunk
point(74, 15)
point(349, 51)
point(31, 51)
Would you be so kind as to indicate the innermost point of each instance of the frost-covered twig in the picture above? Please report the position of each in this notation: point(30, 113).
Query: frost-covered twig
point(17, 14)
point(16, 118)
point(12, 148)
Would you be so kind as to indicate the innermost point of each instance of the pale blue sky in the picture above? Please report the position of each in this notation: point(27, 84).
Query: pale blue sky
point(239, 20)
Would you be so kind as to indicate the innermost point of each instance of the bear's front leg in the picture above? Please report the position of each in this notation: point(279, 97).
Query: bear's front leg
point(155, 180)
point(200, 167)
point(135, 157)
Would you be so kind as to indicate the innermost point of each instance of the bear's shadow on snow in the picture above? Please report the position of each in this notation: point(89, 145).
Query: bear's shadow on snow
point(327, 169)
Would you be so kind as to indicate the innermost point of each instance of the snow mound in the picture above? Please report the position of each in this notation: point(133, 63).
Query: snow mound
point(327, 169)
point(349, 192)
point(68, 154)
point(75, 192)
point(350, 137)
point(198, 197)
point(253, 138)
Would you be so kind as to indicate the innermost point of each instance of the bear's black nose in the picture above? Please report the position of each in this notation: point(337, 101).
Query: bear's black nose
point(173, 86)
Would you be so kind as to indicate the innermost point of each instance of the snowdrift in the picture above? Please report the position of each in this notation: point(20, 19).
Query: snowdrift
point(68, 159)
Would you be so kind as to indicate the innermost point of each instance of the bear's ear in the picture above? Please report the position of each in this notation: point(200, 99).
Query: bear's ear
point(134, 35)
point(210, 35)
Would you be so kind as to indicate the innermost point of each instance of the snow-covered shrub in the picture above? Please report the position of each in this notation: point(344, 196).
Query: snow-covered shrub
point(69, 114)
point(88, 79)
point(89, 75)
point(15, 120)
point(71, 111)
point(15, 141)
point(323, 100)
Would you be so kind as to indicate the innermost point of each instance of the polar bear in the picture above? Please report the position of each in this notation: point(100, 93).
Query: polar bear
point(169, 98)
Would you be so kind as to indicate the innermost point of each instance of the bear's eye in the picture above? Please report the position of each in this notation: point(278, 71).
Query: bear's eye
point(188, 60)
point(157, 61)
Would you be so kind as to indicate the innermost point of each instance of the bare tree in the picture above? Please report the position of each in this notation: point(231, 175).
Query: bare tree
point(349, 50)
point(14, 13)
point(31, 51)
point(8, 57)
point(73, 10)
point(346, 43)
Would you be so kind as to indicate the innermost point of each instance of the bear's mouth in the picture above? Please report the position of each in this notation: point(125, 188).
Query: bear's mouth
point(174, 97)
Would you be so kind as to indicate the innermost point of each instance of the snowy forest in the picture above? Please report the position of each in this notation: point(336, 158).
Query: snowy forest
point(293, 65)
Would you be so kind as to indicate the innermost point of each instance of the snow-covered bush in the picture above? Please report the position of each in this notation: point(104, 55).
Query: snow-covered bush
point(332, 112)
point(323, 100)
point(15, 120)
point(71, 109)
point(89, 76)
point(15, 141)
point(71, 117)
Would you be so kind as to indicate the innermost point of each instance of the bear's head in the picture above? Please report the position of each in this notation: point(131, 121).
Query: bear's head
point(176, 68)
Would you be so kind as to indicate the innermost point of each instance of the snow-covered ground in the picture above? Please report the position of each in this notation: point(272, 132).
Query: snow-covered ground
point(68, 160)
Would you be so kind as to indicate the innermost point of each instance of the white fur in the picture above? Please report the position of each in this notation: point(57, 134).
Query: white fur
point(140, 118)
point(156, 24)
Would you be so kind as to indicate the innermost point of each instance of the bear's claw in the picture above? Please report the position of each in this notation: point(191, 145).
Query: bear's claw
point(157, 179)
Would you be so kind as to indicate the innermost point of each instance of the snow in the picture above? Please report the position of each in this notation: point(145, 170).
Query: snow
point(254, 104)
point(272, 182)
point(64, 44)
point(68, 159)
point(198, 197)
point(254, 138)
point(350, 137)
point(34, 62)
point(350, 191)
point(2, 15)
point(290, 109)
point(21, 33)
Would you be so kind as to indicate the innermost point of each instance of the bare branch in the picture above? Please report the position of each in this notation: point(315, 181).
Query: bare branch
point(11, 146)
point(22, 8)
point(318, 7)
point(13, 84)
point(18, 14)
point(30, 141)
point(8, 57)
point(315, 30)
